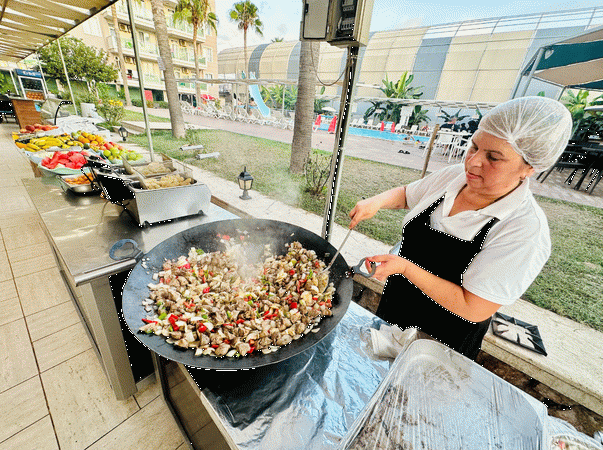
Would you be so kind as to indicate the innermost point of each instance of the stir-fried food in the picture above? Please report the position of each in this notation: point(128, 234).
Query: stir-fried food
point(207, 301)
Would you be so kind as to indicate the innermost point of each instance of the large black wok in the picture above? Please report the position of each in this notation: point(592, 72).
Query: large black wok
point(270, 232)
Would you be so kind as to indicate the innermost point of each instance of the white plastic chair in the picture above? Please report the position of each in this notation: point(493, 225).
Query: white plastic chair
point(459, 148)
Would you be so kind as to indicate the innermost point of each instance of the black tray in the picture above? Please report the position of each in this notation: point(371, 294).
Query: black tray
point(521, 333)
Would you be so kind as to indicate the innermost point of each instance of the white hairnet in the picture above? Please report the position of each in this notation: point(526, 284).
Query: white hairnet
point(538, 128)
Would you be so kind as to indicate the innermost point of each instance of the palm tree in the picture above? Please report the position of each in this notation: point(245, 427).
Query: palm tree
point(388, 111)
point(197, 13)
point(304, 108)
point(120, 54)
point(246, 14)
point(171, 87)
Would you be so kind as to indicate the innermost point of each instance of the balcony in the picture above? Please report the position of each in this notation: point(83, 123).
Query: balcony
point(186, 57)
point(191, 86)
point(146, 49)
point(152, 79)
point(183, 29)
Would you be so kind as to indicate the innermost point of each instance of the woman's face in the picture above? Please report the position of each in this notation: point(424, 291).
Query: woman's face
point(492, 167)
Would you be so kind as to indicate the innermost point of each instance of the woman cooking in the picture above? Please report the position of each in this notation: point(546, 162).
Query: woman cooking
point(475, 238)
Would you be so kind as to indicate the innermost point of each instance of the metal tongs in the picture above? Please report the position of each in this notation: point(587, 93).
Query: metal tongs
point(357, 268)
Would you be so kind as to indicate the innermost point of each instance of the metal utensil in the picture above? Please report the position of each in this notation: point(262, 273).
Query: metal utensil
point(326, 269)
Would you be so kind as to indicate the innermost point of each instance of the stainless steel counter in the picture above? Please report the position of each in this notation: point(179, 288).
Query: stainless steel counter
point(81, 230)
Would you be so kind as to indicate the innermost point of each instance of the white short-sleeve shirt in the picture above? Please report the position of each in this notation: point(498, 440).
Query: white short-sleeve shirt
point(516, 247)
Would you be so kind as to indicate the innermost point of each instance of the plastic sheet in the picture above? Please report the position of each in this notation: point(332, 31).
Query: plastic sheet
point(435, 398)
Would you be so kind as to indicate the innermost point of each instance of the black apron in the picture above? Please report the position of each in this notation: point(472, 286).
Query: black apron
point(404, 304)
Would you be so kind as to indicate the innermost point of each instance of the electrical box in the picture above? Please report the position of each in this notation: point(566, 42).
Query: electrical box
point(342, 23)
point(315, 15)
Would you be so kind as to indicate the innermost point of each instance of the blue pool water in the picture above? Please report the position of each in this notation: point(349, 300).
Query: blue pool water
point(388, 135)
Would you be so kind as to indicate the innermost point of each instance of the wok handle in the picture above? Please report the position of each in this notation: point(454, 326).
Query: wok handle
point(136, 252)
point(358, 269)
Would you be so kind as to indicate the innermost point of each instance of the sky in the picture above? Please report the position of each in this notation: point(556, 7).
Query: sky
point(282, 18)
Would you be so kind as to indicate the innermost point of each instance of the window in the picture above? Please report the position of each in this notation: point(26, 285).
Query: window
point(209, 54)
point(92, 27)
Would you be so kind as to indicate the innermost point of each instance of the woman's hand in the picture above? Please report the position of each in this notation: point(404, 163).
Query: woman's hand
point(364, 209)
point(386, 265)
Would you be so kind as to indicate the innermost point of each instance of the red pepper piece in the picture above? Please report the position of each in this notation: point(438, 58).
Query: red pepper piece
point(172, 320)
point(149, 321)
point(226, 341)
point(202, 328)
point(214, 345)
point(293, 305)
point(239, 321)
point(226, 237)
point(206, 290)
point(321, 303)
point(251, 350)
point(292, 272)
point(186, 266)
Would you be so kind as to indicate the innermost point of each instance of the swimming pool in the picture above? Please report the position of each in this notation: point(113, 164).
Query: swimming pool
point(387, 135)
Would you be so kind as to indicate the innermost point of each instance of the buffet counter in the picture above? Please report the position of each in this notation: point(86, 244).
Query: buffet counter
point(81, 231)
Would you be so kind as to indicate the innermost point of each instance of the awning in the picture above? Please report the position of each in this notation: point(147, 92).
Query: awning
point(27, 25)
point(574, 63)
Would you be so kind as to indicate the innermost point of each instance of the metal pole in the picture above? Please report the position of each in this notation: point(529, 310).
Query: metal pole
point(66, 75)
point(536, 62)
point(342, 129)
point(43, 79)
point(140, 78)
point(15, 84)
point(561, 93)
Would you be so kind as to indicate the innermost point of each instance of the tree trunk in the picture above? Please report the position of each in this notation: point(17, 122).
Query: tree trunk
point(120, 54)
point(171, 86)
point(197, 88)
point(245, 69)
point(304, 108)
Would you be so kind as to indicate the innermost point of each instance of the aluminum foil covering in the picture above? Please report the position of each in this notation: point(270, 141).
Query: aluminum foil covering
point(308, 401)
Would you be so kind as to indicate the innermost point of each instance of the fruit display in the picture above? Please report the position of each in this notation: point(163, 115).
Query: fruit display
point(115, 153)
point(68, 160)
point(37, 127)
point(63, 141)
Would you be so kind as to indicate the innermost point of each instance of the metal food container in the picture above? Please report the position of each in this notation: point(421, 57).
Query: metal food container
point(156, 205)
point(150, 169)
point(435, 398)
point(75, 188)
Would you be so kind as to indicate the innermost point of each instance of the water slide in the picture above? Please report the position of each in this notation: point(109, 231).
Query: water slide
point(254, 91)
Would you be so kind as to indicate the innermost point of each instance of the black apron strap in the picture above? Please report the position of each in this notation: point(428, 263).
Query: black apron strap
point(447, 257)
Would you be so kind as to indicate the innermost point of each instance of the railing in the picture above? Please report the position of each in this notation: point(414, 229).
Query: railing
point(185, 55)
point(139, 11)
point(143, 46)
point(184, 27)
point(152, 78)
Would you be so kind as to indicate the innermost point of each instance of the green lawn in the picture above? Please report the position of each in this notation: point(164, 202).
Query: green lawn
point(139, 117)
point(570, 283)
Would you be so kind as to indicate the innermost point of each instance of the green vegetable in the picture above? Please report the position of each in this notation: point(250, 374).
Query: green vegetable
point(200, 252)
point(162, 316)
